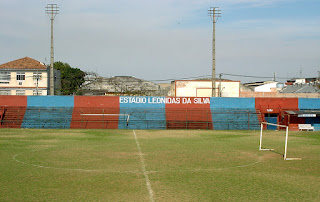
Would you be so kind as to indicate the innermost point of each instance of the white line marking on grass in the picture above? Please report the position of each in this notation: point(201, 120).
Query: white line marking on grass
point(203, 169)
point(207, 169)
point(250, 164)
point(213, 169)
point(144, 168)
point(68, 169)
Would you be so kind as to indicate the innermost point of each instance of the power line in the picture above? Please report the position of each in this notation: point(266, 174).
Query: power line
point(196, 77)
point(257, 77)
point(222, 74)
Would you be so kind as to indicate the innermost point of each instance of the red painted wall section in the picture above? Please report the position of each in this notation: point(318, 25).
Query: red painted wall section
point(188, 113)
point(275, 105)
point(12, 110)
point(13, 100)
point(104, 107)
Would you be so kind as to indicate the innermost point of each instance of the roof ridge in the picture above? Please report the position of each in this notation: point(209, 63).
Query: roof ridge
point(24, 63)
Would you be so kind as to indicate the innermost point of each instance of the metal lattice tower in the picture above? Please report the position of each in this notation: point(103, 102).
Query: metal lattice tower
point(52, 10)
point(214, 13)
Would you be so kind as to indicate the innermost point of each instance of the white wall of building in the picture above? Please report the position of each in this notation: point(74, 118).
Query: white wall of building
point(203, 88)
point(301, 81)
point(26, 83)
point(266, 87)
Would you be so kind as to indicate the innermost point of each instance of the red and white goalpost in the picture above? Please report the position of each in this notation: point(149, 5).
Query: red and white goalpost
point(286, 141)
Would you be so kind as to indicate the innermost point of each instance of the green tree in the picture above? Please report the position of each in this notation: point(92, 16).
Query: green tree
point(71, 78)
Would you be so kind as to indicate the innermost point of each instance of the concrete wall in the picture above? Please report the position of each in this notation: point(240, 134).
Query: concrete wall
point(12, 110)
point(145, 112)
point(309, 103)
point(48, 112)
point(95, 112)
point(188, 113)
point(275, 105)
point(276, 94)
point(234, 114)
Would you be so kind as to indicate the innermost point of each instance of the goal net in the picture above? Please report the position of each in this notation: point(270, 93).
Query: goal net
point(286, 140)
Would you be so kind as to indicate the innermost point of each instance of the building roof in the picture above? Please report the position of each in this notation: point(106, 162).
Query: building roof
point(258, 83)
point(304, 113)
point(24, 63)
point(300, 88)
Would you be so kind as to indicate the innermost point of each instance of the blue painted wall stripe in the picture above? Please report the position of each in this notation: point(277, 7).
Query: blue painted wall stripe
point(50, 101)
point(232, 103)
point(48, 112)
point(309, 103)
point(145, 112)
point(233, 113)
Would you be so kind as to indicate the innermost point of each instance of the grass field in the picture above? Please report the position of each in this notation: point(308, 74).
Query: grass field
point(159, 165)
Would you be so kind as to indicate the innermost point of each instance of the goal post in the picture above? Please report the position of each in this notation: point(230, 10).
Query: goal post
point(285, 144)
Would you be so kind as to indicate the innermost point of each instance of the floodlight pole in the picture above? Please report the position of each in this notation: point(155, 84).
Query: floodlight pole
point(52, 10)
point(214, 13)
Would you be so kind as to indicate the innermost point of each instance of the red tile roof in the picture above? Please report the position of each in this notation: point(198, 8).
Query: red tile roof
point(24, 63)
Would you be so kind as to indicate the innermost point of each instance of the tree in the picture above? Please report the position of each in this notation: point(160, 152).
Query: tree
point(71, 78)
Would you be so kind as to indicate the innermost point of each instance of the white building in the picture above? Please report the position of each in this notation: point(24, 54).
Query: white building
point(267, 87)
point(24, 76)
point(203, 88)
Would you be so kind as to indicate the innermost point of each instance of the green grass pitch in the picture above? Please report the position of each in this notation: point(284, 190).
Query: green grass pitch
point(157, 165)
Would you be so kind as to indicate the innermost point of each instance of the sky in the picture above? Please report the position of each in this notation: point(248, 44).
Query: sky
point(168, 40)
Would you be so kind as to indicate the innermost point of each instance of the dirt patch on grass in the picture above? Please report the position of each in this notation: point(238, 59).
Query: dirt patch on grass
point(189, 134)
point(13, 136)
point(49, 141)
point(144, 134)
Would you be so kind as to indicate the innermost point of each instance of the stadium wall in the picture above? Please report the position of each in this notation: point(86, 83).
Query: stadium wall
point(95, 112)
point(48, 112)
point(234, 113)
point(143, 113)
point(12, 110)
point(188, 113)
point(310, 104)
point(102, 112)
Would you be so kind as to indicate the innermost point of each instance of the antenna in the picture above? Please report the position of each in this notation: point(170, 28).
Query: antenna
point(214, 13)
point(52, 10)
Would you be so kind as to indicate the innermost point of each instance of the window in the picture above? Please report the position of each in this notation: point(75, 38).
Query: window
point(5, 76)
point(35, 92)
point(37, 75)
point(20, 92)
point(21, 76)
point(5, 92)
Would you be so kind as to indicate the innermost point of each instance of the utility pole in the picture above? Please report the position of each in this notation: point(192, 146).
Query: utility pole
point(52, 10)
point(37, 83)
point(214, 13)
point(220, 93)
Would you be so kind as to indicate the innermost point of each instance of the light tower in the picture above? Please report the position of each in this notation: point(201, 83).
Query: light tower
point(52, 10)
point(214, 13)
